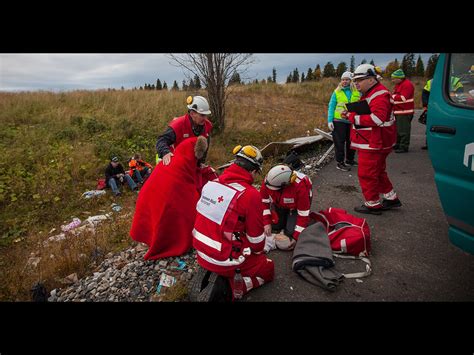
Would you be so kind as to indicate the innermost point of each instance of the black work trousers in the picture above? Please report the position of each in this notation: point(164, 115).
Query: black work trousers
point(341, 136)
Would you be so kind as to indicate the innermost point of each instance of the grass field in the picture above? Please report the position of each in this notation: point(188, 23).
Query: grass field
point(54, 147)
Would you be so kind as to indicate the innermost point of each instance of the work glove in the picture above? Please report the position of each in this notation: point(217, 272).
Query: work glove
point(331, 126)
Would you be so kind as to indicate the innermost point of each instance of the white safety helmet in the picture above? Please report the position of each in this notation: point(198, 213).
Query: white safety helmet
point(198, 104)
point(250, 153)
point(279, 176)
point(363, 71)
point(346, 74)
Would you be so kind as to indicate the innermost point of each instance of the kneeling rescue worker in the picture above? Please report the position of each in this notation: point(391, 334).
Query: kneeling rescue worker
point(286, 197)
point(228, 232)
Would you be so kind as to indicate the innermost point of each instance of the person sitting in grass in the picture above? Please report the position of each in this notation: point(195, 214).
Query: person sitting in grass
point(115, 175)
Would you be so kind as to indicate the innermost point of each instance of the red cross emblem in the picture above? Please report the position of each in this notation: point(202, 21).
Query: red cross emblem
point(220, 199)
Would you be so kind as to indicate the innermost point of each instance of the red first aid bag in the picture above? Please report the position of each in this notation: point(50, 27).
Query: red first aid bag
point(347, 234)
point(101, 184)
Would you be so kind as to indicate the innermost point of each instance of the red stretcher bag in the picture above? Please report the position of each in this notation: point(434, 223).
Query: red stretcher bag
point(347, 234)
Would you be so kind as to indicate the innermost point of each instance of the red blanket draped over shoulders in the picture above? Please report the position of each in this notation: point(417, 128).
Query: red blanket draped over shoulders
point(166, 206)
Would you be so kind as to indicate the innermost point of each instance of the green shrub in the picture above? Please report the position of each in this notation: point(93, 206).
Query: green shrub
point(94, 126)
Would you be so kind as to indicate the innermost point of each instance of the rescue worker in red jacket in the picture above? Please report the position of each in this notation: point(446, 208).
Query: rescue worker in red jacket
point(286, 197)
point(228, 232)
point(403, 109)
point(195, 123)
point(373, 135)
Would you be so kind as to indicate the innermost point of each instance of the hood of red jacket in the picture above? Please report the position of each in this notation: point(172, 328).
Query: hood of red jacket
point(235, 173)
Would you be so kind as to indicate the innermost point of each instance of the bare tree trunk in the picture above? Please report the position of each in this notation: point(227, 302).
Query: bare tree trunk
point(214, 70)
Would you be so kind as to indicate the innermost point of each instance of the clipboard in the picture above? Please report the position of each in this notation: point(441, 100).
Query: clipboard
point(359, 107)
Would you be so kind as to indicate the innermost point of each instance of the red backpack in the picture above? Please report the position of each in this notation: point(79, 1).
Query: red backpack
point(347, 234)
point(101, 184)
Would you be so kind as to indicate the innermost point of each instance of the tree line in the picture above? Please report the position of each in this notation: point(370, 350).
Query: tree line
point(408, 65)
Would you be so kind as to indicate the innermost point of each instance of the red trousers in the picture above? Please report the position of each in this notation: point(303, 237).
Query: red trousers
point(256, 270)
point(373, 178)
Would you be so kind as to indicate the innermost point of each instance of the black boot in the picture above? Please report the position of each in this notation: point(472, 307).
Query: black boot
point(368, 210)
point(389, 204)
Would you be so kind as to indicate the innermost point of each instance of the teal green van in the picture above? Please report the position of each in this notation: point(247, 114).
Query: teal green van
point(450, 137)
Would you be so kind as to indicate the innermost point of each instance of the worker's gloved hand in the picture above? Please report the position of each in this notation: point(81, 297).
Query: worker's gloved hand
point(167, 158)
point(331, 126)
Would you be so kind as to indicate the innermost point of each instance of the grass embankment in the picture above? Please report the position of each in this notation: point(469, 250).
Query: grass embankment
point(55, 146)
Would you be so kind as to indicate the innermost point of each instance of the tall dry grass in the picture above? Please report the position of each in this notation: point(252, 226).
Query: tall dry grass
point(54, 146)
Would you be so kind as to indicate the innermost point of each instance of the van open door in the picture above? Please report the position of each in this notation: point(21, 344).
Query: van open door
point(450, 137)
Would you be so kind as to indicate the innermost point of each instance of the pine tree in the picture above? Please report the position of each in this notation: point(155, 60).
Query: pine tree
point(269, 79)
point(309, 75)
point(317, 73)
point(420, 68)
point(296, 75)
point(352, 64)
point(234, 79)
point(165, 86)
point(191, 84)
point(274, 75)
point(364, 61)
point(141, 87)
point(185, 86)
point(341, 68)
point(431, 66)
point(122, 88)
point(289, 78)
point(329, 70)
point(175, 86)
point(372, 62)
point(152, 87)
point(158, 84)
point(408, 64)
point(391, 67)
point(302, 77)
point(197, 82)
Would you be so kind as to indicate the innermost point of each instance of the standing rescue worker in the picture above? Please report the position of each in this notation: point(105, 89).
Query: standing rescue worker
point(286, 197)
point(403, 109)
point(228, 233)
point(373, 135)
point(341, 128)
point(195, 123)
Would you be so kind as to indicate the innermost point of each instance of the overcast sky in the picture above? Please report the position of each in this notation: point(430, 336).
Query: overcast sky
point(62, 72)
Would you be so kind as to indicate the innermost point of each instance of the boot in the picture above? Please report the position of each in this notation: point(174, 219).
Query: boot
point(368, 210)
point(389, 204)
